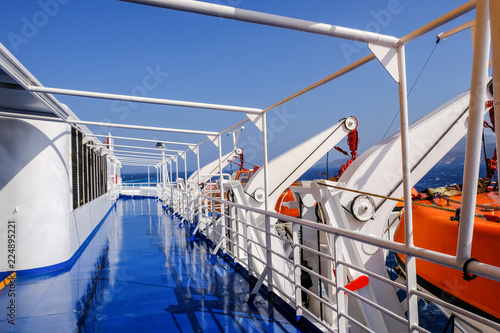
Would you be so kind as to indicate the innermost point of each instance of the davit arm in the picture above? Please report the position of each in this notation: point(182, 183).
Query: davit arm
point(288, 167)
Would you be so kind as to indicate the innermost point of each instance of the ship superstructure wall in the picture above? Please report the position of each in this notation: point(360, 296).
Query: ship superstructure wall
point(37, 191)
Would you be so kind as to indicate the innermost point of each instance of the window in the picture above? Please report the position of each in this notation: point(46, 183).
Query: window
point(89, 171)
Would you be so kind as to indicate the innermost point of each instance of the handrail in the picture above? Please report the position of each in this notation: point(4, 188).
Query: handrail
point(238, 242)
point(480, 269)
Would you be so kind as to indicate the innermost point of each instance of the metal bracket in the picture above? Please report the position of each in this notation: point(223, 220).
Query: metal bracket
point(388, 57)
point(256, 119)
point(214, 140)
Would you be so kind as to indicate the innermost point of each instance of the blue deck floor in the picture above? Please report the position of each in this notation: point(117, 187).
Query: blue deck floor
point(140, 273)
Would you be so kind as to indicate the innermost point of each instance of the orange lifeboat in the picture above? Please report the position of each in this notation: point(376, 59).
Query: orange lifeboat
point(435, 227)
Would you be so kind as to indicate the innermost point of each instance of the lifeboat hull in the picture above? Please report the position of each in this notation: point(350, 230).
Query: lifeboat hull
point(435, 230)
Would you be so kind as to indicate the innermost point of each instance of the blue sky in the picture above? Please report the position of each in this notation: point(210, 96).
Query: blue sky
point(117, 47)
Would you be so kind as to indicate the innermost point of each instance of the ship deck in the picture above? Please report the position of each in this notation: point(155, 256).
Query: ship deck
point(141, 272)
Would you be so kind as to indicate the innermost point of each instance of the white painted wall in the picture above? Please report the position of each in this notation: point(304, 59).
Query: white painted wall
point(35, 190)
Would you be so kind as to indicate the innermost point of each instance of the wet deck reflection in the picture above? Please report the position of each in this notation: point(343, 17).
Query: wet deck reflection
point(141, 272)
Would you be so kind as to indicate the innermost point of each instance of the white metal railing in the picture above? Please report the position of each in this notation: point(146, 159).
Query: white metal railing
point(325, 304)
point(139, 189)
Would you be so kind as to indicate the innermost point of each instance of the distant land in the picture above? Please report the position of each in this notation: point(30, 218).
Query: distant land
point(455, 155)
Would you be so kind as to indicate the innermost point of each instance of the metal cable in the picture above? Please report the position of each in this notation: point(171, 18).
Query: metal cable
point(414, 83)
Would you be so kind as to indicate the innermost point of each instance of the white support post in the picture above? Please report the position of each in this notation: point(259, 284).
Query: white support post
point(269, 255)
point(157, 175)
point(115, 179)
point(212, 209)
point(176, 193)
point(176, 169)
point(170, 171)
point(164, 184)
point(171, 184)
point(185, 168)
point(249, 247)
point(159, 194)
point(411, 269)
point(221, 190)
point(234, 240)
point(474, 131)
point(186, 197)
point(342, 323)
point(297, 270)
point(198, 190)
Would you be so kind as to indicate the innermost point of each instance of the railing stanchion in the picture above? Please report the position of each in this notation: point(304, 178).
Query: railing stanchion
point(297, 271)
point(235, 249)
point(339, 281)
point(212, 210)
point(249, 248)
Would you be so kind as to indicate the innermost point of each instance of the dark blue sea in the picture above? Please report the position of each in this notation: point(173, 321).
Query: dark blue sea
point(441, 175)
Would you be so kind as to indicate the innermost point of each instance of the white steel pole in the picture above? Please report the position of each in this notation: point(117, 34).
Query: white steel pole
point(169, 171)
point(464, 9)
point(158, 177)
point(170, 168)
point(186, 199)
point(136, 147)
point(495, 50)
point(197, 152)
point(176, 169)
point(139, 99)
point(132, 152)
point(163, 169)
point(411, 270)
point(185, 168)
point(137, 127)
point(137, 158)
point(143, 140)
point(221, 184)
point(474, 131)
point(115, 178)
point(239, 14)
point(269, 255)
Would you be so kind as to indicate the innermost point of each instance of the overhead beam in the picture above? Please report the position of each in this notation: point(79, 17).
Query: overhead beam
point(137, 127)
point(128, 157)
point(145, 140)
point(245, 15)
point(464, 9)
point(115, 152)
point(138, 147)
point(137, 99)
point(96, 123)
